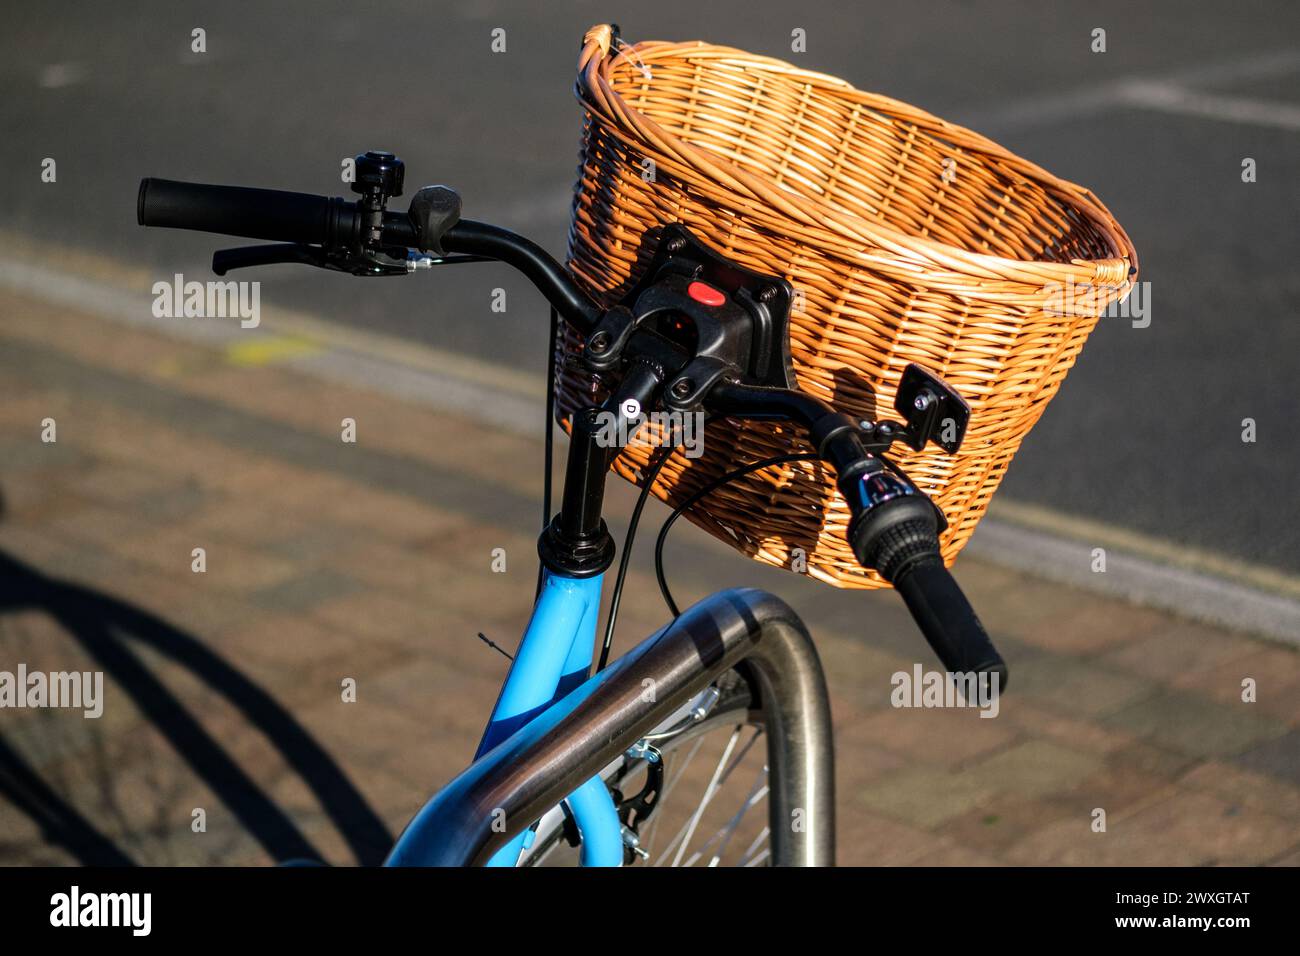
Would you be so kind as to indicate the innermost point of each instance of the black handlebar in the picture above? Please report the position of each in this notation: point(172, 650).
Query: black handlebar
point(895, 526)
point(335, 223)
point(483, 239)
point(238, 211)
point(261, 214)
point(895, 531)
point(948, 622)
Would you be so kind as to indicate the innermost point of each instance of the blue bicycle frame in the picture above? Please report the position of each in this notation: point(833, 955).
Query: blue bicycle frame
point(553, 658)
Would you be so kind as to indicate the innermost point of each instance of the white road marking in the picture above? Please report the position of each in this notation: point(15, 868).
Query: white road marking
point(1072, 104)
point(56, 76)
point(1170, 98)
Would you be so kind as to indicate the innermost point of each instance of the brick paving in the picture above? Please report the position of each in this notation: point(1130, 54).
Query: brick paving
point(372, 561)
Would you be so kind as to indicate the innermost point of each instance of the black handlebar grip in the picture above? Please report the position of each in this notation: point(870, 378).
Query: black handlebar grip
point(895, 532)
point(240, 211)
point(948, 621)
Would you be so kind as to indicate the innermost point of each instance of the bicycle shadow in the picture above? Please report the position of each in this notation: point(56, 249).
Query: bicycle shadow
point(105, 626)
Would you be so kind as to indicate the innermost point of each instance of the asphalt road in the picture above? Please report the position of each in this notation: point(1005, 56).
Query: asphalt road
point(1146, 433)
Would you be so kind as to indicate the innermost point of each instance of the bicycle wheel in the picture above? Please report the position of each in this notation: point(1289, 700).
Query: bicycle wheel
point(705, 771)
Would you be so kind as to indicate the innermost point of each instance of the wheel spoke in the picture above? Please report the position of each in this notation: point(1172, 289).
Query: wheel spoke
point(744, 751)
point(714, 783)
point(724, 833)
point(720, 776)
point(758, 840)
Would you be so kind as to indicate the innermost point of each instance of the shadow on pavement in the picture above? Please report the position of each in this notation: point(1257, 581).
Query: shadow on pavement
point(105, 627)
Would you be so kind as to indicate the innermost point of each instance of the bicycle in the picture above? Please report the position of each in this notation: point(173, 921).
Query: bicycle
point(581, 758)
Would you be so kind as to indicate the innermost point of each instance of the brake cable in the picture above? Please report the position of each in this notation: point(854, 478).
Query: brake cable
point(710, 487)
point(651, 476)
point(549, 443)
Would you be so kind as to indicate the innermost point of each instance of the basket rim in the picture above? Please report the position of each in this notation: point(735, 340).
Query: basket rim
point(789, 207)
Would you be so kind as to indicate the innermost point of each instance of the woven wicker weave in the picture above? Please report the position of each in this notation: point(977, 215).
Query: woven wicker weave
point(907, 238)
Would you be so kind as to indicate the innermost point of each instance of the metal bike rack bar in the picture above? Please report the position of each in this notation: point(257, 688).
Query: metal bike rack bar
point(537, 767)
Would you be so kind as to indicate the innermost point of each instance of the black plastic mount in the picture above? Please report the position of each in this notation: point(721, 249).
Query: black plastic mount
point(933, 410)
point(737, 326)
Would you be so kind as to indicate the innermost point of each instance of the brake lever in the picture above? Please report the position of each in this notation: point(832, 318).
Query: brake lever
point(364, 264)
point(245, 257)
point(379, 263)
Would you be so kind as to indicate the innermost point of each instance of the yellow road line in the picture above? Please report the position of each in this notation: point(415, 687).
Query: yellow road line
point(270, 350)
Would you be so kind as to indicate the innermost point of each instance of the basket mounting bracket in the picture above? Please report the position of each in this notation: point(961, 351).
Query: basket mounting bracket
point(732, 322)
point(933, 410)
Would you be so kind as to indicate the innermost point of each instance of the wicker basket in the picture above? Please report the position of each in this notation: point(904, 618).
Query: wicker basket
point(908, 239)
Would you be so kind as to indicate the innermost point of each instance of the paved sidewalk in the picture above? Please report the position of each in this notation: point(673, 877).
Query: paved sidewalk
point(372, 561)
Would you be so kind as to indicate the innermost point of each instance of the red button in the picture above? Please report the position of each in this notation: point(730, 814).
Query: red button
point(705, 294)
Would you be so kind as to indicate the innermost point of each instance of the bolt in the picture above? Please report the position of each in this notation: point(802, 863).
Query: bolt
point(923, 401)
point(683, 387)
point(768, 294)
point(643, 751)
point(633, 842)
point(676, 245)
point(599, 342)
